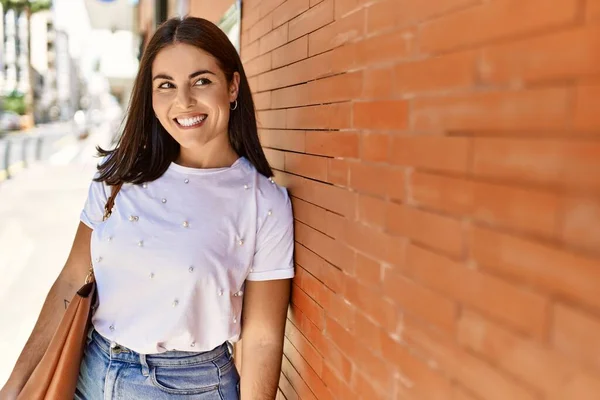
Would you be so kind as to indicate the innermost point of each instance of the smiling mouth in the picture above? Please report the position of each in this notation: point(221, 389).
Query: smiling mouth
point(191, 122)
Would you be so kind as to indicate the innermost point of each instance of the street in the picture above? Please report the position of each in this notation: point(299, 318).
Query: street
point(39, 214)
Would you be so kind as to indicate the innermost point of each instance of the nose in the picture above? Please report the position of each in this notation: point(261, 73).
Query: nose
point(184, 98)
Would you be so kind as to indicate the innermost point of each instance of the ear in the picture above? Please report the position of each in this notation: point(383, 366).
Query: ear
point(234, 87)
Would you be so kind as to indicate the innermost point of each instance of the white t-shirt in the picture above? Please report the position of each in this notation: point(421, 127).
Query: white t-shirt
point(171, 261)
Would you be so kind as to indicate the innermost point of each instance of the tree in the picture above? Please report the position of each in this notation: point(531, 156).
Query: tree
point(32, 6)
point(29, 7)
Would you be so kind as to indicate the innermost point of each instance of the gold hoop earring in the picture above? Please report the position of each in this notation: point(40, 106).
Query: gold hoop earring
point(235, 106)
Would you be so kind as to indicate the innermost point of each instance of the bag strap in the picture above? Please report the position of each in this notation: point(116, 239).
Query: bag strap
point(110, 203)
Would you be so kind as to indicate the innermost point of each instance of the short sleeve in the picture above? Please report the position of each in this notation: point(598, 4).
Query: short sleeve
point(93, 208)
point(274, 255)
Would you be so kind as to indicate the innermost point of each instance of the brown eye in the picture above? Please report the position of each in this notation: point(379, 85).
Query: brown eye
point(203, 82)
point(165, 85)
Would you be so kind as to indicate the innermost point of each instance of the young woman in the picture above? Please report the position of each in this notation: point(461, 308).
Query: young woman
point(198, 249)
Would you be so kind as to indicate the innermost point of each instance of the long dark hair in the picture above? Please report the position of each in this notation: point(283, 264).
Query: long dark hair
point(145, 149)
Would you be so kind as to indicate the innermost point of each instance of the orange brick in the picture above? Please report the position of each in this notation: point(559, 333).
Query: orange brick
point(516, 307)
point(420, 301)
point(522, 110)
point(344, 87)
point(331, 250)
point(502, 205)
point(363, 387)
point(339, 310)
point(586, 111)
point(396, 184)
point(375, 147)
point(330, 116)
point(338, 172)
point(582, 386)
point(345, 7)
point(494, 20)
point(371, 211)
point(250, 52)
point(394, 46)
point(431, 229)
point(290, 97)
point(581, 226)
point(377, 84)
point(336, 34)
point(296, 380)
point(313, 19)
point(338, 388)
point(482, 379)
point(262, 101)
point(336, 360)
point(368, 271)
point(289, 10)
point(334, 144)
point(557, 55)
point(258, 65)
point(372, 304)
point(459, 393)
point(320, 268)
point(275, 158)
point(383, 115)
point(310, 214)
point(424, 382)
point(260, 29)
point(250, 18)
point(431, 152)
point(271, 119)
point(533, 363)
point(370, 241)
point(593, 11)
point(554, 270)
point(308, 306)
point(369, 178)
point(276, 38)
point(446, 72)
point(304, 347)
point(253, 83)
point(330, 197)
point(572, 163)
point(306, 165)
point(448, 194)
point(387, 14)
point(516, 208)
point(284, 140)
point(574, 333)
point(266, 6)
point(286, 388)
point(291, 52)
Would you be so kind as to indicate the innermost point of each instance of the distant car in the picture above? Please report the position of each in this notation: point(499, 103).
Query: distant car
point(10, 121)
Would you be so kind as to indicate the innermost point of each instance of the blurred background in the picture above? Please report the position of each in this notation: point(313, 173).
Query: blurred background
point(442, 156)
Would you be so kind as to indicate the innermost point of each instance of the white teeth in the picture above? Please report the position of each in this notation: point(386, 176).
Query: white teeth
point(191, 121)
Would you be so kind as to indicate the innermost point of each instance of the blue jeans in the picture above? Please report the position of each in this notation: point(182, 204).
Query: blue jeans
point(111, 371)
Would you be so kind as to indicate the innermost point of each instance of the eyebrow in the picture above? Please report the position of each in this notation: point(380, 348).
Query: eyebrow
point(192, 75)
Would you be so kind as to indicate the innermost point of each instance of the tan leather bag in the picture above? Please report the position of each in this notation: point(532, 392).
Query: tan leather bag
point(55, 377)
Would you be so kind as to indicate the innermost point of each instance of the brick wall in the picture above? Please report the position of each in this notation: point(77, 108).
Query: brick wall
point(444, 162)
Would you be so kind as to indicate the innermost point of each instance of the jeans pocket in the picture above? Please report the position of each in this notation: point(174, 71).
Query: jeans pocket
point(186, 380)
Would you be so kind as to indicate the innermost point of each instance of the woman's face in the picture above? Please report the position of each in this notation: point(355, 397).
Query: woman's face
point(191, 96)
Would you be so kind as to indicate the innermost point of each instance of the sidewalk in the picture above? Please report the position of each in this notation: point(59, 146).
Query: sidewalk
point(39, 214)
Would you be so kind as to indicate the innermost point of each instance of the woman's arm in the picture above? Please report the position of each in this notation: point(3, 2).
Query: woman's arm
point(263, 327)
point(68, 282)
